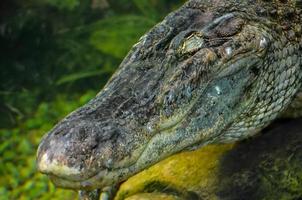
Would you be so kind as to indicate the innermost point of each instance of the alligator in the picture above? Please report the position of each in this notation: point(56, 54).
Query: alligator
point(211, 72)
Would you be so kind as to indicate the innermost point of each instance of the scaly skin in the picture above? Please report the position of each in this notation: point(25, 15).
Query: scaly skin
point(211, 72)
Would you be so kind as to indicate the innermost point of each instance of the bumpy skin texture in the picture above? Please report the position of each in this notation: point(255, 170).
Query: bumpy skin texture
point(211, 72)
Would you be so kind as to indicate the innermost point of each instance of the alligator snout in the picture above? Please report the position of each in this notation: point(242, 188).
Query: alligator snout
point(76, 150)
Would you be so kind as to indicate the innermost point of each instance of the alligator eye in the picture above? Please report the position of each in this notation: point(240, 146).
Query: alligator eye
point(192, 44)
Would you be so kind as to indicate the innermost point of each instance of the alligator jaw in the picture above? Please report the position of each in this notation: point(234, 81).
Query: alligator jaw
point(102, 180)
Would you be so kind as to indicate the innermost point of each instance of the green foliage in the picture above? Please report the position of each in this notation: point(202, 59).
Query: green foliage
point(147, 7)
point(121, 34)
point(19, 179)
point(77, 76)
point(53, 52)
point(64, 4)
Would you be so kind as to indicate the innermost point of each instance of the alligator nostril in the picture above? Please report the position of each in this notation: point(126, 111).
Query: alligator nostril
point(82, 133)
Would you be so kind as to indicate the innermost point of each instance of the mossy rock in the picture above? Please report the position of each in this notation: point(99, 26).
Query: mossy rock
point(152, 196)
point(267, 167)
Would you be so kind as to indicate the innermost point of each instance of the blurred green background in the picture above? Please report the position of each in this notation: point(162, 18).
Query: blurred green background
point(55, 55)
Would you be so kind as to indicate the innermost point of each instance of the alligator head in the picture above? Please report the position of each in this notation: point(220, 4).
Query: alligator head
point(213, 71)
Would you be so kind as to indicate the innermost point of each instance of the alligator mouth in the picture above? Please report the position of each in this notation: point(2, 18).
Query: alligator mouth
point(114, 175)
point(104, 178)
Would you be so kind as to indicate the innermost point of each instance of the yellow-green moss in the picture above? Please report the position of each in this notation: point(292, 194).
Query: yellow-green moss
point(152, 196)
point(186, 171)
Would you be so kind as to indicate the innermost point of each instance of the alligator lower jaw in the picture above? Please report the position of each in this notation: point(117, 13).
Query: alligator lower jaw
point(102, 179)
point(78, 185)
point(67, 184)
point(86, 189)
